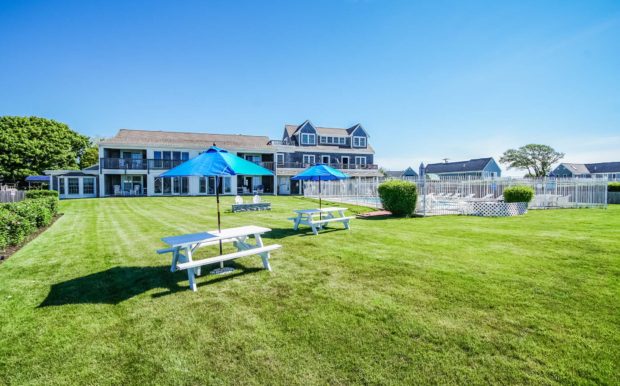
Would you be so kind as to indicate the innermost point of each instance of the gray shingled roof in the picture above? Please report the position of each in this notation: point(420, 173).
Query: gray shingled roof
point(473, 165)
point(576, 168)
point(187, 140)
point(604, 167)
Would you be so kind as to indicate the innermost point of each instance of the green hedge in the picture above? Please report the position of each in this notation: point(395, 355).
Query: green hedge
point(518, 194)
point(20, 219)
point(613, 187)
point(41, 193)
point(399, 197)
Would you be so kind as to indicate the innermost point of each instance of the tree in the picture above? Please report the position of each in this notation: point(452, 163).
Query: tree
point(90, 156)
point(30, 145)
point(536, 159)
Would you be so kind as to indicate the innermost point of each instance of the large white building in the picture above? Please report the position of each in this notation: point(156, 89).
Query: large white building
point(132, 161)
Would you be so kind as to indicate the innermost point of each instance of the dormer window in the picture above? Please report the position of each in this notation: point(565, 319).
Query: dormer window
point(323, 139)
point(308, 139)
point(359, 141)
point(343, 140)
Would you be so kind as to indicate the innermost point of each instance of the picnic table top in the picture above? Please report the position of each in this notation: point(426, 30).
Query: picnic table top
point(193, 238)
point(323, 210)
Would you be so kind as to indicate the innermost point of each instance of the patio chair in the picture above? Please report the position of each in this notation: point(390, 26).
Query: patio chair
point(117, 190)
point(256, 199)
point(238, 200)
point(136, 190)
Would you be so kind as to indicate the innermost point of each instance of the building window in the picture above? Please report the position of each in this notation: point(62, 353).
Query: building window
point(343, 140)
point(61, 185)
point(167, 185)
point(74, 185)
point(325, 159)
point(157, 185)
point(89, 185)
point(360, 160)
point(202, 188)
point(323, 139)
point(330, 140)
point(307, 139)
point(308, 159)
point(280, 158)
point(184, 156)
point(359, 141)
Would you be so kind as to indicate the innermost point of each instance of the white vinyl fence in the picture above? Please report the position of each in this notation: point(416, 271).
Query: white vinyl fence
point(11, 195)
point(456, 196)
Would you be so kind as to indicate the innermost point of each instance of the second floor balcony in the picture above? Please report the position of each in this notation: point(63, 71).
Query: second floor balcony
point(152, 164)
point(336, 165)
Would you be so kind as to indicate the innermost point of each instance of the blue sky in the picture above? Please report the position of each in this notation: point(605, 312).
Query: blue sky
point(428, 80)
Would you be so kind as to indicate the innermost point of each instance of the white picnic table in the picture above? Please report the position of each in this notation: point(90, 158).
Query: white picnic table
point(183, 246)
point(325, 216)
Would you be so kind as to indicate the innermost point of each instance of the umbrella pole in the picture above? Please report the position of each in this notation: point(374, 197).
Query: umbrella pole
point(219, 221)
point(221, 269)
point(320, 204)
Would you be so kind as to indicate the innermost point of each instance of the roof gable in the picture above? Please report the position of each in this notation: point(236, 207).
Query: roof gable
point(357, 130)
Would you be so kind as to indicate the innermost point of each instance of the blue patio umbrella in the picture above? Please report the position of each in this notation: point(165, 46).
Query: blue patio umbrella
point(218, 163)
point(320, 172)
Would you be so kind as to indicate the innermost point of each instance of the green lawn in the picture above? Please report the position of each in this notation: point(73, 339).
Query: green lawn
point(531, 299)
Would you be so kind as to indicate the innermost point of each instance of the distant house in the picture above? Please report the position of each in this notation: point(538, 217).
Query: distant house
point(407, 174)
point(606, 170)
point(480, 168)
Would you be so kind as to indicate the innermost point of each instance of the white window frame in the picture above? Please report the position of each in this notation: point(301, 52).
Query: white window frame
point(360, 160)
point(305, 139)
point(308, 157)
point(357, 141)
point(323, 139)
point(278, 157)
point(343, 141)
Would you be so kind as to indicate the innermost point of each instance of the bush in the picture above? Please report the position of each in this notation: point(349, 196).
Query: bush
point(13, 228)
point(518, 194)
point(613, 187)
point(399, 197)
point(20, 219)
point(32, 194)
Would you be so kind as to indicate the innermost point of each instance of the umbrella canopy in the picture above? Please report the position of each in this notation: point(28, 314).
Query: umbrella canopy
point(320, 172)
point(217, 162)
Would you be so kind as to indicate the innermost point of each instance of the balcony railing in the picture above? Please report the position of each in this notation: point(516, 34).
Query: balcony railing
point(152, 164)
point(302, 165)
point(138, 164)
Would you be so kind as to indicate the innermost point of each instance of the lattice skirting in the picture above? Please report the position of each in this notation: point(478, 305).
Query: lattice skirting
point(498, 209)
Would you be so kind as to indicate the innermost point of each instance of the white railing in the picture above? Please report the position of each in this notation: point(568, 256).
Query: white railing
point(11, 195)
point(452, 196)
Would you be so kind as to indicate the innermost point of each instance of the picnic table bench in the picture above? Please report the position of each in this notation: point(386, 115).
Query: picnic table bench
point(183, 246)
point(326, 215)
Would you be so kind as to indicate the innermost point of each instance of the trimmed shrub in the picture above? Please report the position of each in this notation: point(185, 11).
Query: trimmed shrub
point(399, 197)
point(32, 194)
point(518, 194)
point(613, 187)
point(13, 228)
point(20, 219)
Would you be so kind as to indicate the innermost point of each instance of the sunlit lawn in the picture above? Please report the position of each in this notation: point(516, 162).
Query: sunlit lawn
point(531, 299)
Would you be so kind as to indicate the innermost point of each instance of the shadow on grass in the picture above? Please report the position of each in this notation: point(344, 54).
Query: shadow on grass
point(118, 284)
point(281, 233)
